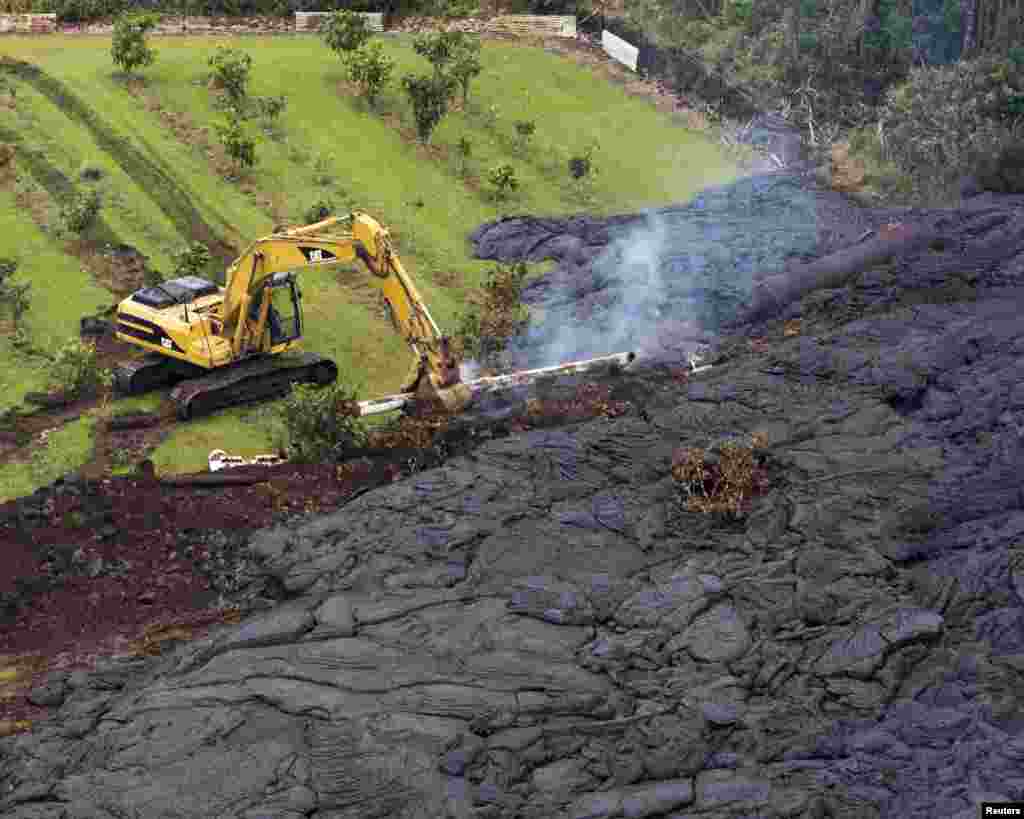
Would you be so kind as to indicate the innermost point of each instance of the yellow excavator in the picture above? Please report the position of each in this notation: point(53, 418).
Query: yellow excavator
point(231, 345)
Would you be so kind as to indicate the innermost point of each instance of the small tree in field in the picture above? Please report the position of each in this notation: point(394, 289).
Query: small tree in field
point(525, 130)
point(237, 143)
point(129, 49)
point(437, 48)
point(192, 261)
point(466, 66)
point(345, 32)
point(313, 424)
point(231, 72)
point(503, 180)
point(76, 371)
point(270, 109)
point(430, 97)
point(14, 296)
point(371, 70)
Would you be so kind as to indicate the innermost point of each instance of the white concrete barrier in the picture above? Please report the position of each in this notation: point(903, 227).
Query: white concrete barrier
point(618, 49)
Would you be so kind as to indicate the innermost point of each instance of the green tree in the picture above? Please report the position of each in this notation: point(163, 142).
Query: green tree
point(430, 97)
point(75, 370)
point(319, 211)
point(315, 424)
point(271, 108)
point(465, 66)
point(237, 143)
point(129, 49)
point(438, 48)
point(496, 314)
point(525, 129)
point(231, 72)
point(80, 210)
point(15, 296)
point(192, 261)
point(503, 179)
point(345, 32)
point(371, 70)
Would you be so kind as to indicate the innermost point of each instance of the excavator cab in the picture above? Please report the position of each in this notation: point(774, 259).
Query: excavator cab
point(284, 312)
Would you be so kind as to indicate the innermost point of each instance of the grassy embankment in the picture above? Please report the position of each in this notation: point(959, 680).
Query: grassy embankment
point(161, 188)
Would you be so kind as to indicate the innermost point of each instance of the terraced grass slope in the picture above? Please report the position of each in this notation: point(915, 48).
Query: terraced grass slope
point(164, 182)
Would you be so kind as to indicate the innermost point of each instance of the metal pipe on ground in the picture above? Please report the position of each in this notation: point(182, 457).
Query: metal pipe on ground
point(494, 383)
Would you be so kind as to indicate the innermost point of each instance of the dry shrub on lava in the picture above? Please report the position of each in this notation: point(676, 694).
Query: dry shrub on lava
point(722, 482)
point(590, 401)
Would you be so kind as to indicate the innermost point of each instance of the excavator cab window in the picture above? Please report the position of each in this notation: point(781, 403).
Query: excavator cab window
point(284, 316)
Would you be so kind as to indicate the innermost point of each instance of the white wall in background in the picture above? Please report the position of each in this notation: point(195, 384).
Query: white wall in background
point(619, 49)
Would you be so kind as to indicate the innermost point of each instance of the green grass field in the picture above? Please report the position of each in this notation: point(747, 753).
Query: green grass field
point(158, 187)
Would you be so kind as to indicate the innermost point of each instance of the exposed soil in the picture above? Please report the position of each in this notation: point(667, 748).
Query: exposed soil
point(158, 569)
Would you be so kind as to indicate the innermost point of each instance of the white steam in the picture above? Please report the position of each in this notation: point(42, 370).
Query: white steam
point(631, 292)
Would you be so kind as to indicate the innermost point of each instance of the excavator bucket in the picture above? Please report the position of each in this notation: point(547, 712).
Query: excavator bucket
point(453, 399)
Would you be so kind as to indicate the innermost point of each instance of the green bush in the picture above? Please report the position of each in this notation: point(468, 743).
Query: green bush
point(75, 370)
point(90, 172)
point(129, 48)
point(193, 260)
point(371, 70)
point(430, 97)
point(313, 425)
point(579, 167)
point(323, 169)
point(582, 165)
point(14, 297)
point(80, 211)
point(151, 277)
point(438, 48)
point(496, 314)
point(237, 143)
point(271, 108)
point(345, 32)
point(466, 65)
point(318, 211)
point(939, 123)
point(503, 180)
point(231, 72)
point(525, 130)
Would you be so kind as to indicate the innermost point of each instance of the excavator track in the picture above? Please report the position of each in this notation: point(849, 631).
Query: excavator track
point(150, 372)
point(257, 379)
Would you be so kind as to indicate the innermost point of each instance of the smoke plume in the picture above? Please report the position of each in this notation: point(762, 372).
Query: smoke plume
point(666, 282)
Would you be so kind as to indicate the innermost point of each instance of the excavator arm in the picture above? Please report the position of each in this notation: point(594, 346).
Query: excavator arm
point(365, 239)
